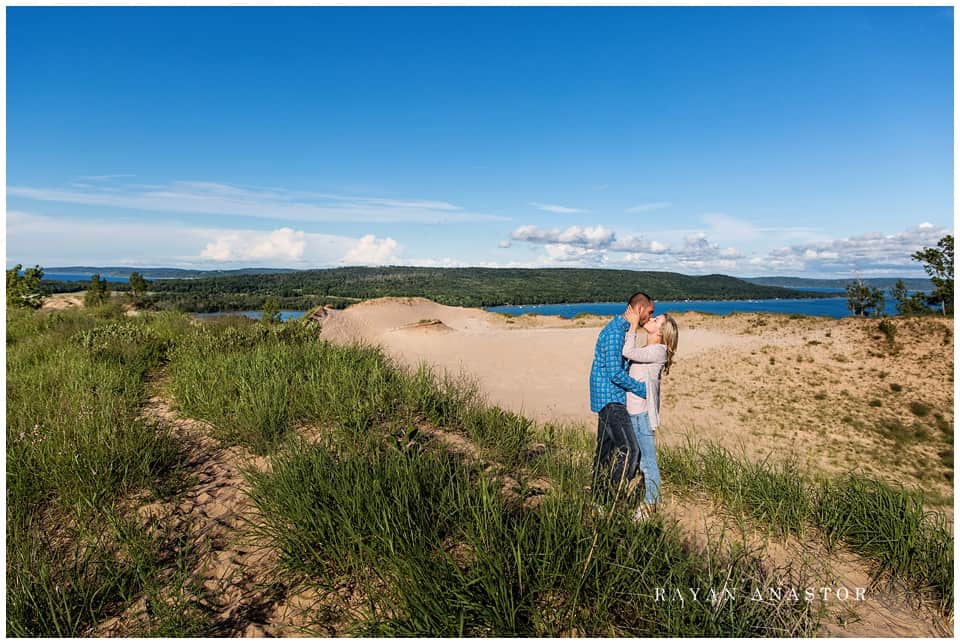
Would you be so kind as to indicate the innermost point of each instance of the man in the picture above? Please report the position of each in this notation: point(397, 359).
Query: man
point(617, 449)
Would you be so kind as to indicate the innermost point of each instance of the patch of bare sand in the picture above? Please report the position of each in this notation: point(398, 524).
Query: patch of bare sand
point(60, 301)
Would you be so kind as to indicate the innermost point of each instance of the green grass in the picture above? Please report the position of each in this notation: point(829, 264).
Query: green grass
point(437, 550)
point(430, 539)
point(886, 523)
point(254, 384)
point(75, 447)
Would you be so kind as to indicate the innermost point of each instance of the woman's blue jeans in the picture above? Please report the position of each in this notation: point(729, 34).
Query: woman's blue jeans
point(648, 457)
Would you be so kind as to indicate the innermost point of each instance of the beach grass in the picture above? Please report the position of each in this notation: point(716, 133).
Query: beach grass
point(438, 550)
point(436, 542)
point(884, 522)
point(75, 448)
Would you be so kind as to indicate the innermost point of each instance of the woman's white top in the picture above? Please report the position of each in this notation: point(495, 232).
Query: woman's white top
point(646, 365)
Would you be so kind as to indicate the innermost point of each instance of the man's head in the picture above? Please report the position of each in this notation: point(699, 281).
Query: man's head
point(642, 304)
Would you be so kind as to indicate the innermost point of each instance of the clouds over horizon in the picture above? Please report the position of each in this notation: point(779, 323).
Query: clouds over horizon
point(867, 254)
point(204, 197)
point(52, 240)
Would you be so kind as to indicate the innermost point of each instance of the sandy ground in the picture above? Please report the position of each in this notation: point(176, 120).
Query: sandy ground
point(763, 385)
point(59, 301)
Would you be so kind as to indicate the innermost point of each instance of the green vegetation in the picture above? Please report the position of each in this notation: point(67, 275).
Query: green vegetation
point(864, 300)
point(907, 304)
point(938, 263)
point(75, 448)
point(367, 488)
point(25, 291)
point(453, 286)
point(885, 523)
point(436, 549)
point(889, 330)
point(270, 314)
point(138, 286)
point(98, 292)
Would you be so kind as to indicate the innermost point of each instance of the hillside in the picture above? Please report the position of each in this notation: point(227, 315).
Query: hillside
point(475, 287)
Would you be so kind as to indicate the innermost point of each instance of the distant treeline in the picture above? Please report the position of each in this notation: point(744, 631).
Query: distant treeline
point(475, 287)
point(884, 283)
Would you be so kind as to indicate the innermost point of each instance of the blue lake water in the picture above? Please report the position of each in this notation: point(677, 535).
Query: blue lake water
point(834, 307)
point(80, 277)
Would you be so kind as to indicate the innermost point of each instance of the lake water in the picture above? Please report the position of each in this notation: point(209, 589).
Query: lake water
point(834, 307)
point(80, 277)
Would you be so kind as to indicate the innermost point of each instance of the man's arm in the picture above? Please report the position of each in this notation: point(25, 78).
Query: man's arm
point(613, 367)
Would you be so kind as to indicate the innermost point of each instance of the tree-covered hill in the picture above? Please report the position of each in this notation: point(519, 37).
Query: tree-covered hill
point(453, 286)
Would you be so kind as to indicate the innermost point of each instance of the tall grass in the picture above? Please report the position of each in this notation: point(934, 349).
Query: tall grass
point(75, 446)
point(438, 551)
point(255, 383)
point(890, 526)
point(886, 523)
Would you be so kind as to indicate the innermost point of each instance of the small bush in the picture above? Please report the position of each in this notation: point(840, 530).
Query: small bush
point(889, 330)
point(919, 409)
point(896, 387)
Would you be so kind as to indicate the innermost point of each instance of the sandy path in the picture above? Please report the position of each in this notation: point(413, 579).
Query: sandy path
point(242, 592)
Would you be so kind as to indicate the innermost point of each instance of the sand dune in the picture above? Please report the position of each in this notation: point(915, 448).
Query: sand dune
point(764, 385)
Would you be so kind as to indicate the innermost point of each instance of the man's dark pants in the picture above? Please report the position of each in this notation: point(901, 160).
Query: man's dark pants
point(618, 454)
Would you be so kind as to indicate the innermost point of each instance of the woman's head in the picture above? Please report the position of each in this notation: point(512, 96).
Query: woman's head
point(665, 329)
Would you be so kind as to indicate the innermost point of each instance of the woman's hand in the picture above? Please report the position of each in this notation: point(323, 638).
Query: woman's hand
point(633, 317)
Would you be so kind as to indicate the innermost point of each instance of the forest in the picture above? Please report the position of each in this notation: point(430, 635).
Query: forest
point(474, 287)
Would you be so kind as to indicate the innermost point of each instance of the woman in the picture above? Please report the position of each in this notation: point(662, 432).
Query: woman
point(648, 363)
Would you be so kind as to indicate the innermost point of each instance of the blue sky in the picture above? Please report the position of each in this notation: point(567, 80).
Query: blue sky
point(747, 141)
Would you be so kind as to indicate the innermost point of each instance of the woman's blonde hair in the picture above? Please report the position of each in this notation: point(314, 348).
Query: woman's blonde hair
point(669, 333)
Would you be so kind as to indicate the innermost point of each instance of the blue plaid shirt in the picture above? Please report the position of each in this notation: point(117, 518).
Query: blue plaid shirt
point(609, 379)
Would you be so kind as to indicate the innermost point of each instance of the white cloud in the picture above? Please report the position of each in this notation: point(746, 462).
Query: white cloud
point(595, 237)
point(504, 244)
point(59, 241)
point(868, 254)
point(649, 207)
point(269, 203)
point(562, 210)
point(283, 244)
point(370, 251)
point(633, 244)
point(566, 253)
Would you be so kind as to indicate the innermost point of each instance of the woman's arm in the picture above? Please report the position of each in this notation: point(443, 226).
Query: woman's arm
point(647, 353)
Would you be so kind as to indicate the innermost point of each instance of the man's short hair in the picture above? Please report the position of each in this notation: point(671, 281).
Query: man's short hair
point(640, 298)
